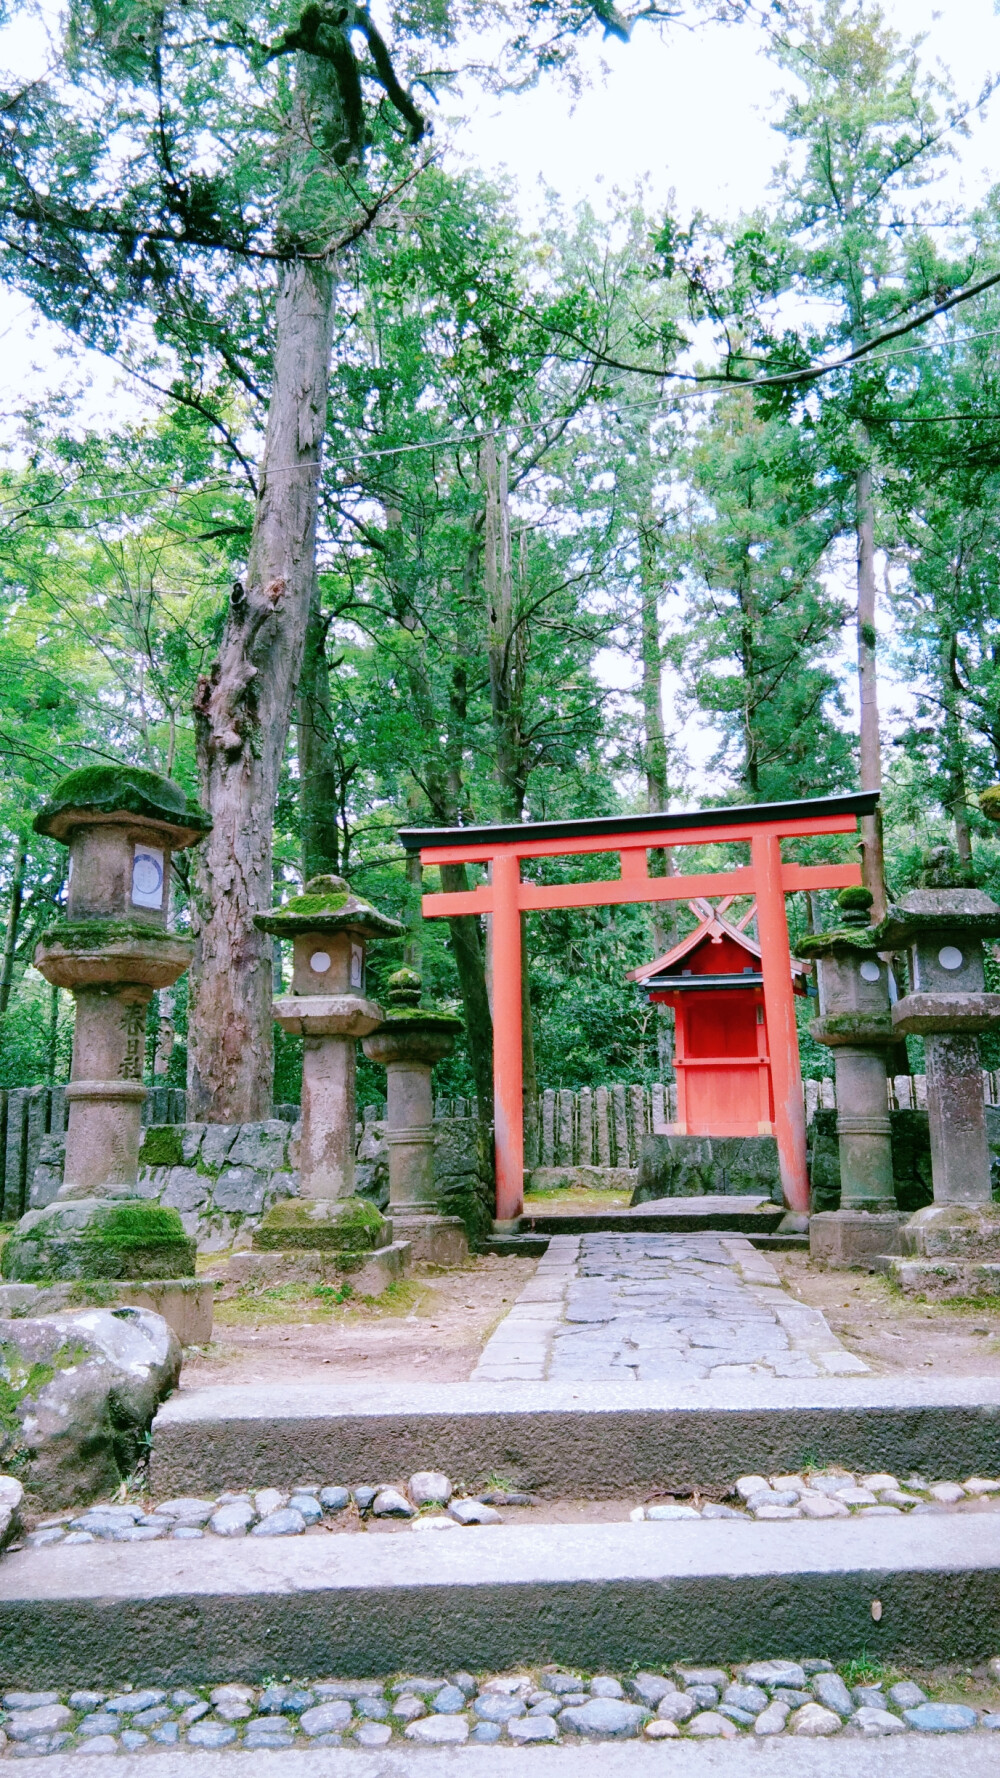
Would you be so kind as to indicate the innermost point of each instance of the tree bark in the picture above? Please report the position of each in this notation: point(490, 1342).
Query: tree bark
point(13, 921)
point(319, 781)
point(243, 711)
point(466, 944)
point(872, 857)
point(954, 748)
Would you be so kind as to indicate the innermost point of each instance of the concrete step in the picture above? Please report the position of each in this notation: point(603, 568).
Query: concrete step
point(572, 1440)
point(595, 1596)
point(533, 1245)
point(908, 1756)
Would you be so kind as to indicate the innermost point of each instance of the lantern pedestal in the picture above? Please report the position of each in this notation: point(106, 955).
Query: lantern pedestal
point(855, 1022)
point(409, 1041)
point(942, 926)
point(111, 951)
point(327, 1229)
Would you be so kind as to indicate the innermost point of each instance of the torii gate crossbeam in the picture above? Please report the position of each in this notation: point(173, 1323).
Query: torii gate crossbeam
point(763, 826)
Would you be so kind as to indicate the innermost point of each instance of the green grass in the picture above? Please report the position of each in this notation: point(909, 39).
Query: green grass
point(290, 1304)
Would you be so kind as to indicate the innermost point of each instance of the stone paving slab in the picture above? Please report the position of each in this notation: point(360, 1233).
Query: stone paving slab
point(963, 1756)
point(645, 1307)
point(486, 1598)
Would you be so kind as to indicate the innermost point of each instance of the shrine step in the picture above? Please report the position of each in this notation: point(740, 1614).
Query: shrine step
point(726, 1215)
point(595, 1596)
point(571, 1440)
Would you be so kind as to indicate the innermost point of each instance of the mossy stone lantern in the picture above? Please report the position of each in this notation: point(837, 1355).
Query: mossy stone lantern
point(408, 1042)
point(941, 927)
point(330, 928)
point(856, 1023)
point(112, 950)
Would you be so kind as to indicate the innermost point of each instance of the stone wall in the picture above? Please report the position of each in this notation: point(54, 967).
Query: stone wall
point(687, 1166)
point(222, 1178)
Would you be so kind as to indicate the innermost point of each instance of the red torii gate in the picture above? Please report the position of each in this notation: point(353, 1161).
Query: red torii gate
point(506, 897)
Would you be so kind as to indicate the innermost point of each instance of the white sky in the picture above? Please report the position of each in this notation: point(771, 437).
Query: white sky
point(687, 112)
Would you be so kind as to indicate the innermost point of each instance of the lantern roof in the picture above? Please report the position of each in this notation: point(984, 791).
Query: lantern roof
point(118, 795)
point(328, 904)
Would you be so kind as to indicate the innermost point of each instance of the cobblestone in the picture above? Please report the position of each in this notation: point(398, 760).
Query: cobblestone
point(761, 1699)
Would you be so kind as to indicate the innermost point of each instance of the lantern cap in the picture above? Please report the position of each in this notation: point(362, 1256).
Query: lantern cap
point(116, 795)
point(932, 913)
point(328, 904)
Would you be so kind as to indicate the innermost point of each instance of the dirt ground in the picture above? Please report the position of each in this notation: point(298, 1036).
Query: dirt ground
point(892, 1333)
point(432, 1328)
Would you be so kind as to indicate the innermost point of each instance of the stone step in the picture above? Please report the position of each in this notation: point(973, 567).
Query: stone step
point(593, 1596)
point(571, 1440)
point(731, 1215)
point(905, 1756)
point(534, 1244)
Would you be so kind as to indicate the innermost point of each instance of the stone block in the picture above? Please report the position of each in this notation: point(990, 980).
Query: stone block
point(242, 1189)
point(696, 1166)
point(260, 1145)
point(192, 1136)
point(943, 1281)
point(320, 1224)
point(184, 1188)
point(48, 1174)
point(216, 1144)
point(92, 1238)
point(954, 1231)
point(440, 1240)
point(844, 1238)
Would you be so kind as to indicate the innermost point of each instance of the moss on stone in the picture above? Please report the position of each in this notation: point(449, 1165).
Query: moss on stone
point(123, 1238)
point(161, 1146)
point(844, 1025)
point(328, 905)
point(108, 789)
point(95, 935)
point(839, 938)
point(989, 802)
point(345, 1225)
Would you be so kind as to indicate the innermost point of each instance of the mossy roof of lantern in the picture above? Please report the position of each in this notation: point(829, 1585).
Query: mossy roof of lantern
point(328, 904)
point(838, 939)
point(929, 913)
point(109, 793)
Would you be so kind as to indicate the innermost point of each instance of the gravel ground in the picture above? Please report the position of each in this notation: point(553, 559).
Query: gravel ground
point(428, 1502)
point(762, 1699)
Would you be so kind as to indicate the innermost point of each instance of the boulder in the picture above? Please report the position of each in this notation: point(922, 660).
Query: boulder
point(77, 1397)
point(11, 1496)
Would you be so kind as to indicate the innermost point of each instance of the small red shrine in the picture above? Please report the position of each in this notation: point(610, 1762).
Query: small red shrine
point(714, 981)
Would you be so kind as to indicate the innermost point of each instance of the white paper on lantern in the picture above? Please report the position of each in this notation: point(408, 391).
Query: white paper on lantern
point(147, 877)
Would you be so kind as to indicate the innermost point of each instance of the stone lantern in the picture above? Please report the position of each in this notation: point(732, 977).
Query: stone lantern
point(408, 1042)
point(329, 927)
point(112, 950)
point(855, 1021)
point(941, 927)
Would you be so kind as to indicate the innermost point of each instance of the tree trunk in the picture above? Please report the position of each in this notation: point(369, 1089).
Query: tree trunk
point(654, 741)
point(466, 946)
point(243, 713)
point(165, 1034)
point(954, 748)
point(13, 921)
point(319, 781)
point(872, 859)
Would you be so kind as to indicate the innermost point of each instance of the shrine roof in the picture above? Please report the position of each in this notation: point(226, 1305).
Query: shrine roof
point(619, 827)
point(709, 931)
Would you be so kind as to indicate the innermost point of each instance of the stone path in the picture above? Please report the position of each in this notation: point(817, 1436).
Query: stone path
point(663, 1308)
